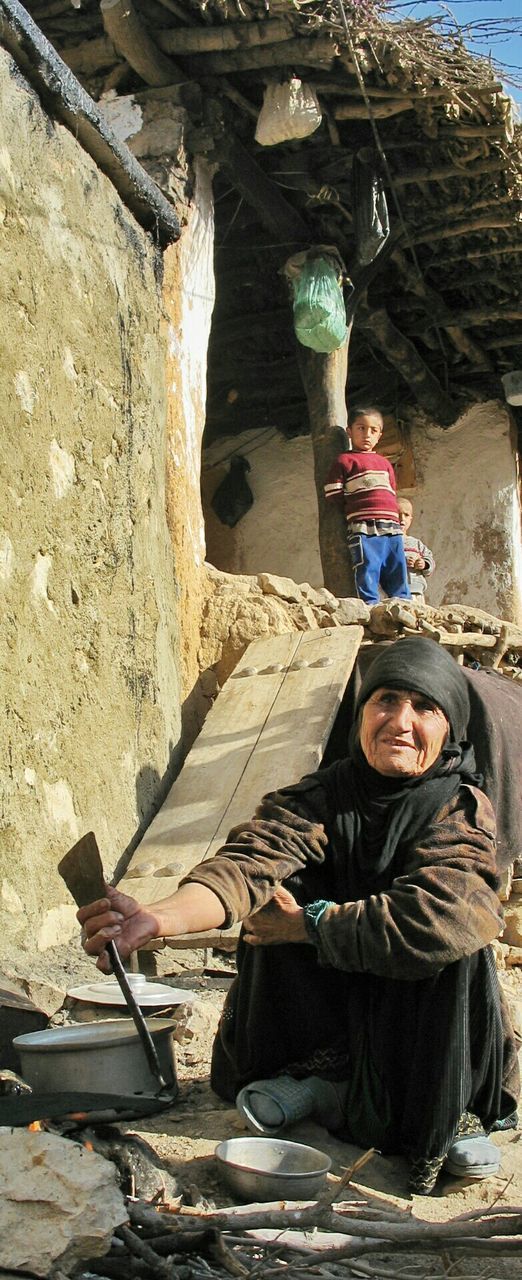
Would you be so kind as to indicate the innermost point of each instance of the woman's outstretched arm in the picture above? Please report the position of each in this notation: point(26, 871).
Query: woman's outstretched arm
point(192, 909)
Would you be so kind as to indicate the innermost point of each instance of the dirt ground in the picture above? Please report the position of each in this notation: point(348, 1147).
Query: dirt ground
point(186, 1136)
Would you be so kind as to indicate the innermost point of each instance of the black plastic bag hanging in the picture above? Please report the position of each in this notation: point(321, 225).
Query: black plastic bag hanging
point(370, 211)
point(233, 497)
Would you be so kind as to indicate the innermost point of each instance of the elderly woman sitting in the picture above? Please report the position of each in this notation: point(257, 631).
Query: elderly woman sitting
point(366, 992)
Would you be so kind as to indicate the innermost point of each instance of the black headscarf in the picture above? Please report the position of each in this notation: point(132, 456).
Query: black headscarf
point(384, 812)
point(426, 667)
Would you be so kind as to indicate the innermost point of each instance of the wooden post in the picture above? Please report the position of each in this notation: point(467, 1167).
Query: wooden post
point(324, 380)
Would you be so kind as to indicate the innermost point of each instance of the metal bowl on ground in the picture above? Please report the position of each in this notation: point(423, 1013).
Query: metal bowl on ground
point(96, 1057)
point(272, 1169)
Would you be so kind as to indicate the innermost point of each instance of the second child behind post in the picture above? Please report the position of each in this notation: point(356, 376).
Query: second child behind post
point(364, 482)
point(419, 559)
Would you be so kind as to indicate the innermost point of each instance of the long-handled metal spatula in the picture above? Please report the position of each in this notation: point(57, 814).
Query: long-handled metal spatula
point(82, 870)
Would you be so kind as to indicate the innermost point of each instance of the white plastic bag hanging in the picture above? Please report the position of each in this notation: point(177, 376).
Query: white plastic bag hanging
point(289, 111)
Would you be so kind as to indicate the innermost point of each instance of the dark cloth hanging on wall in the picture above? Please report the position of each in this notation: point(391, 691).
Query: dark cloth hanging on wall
point(233, 497)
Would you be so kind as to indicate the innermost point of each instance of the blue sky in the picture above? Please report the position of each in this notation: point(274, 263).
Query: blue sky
point(505, 45)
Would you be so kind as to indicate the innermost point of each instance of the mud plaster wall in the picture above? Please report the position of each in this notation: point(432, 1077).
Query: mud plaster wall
point(465, 501)
point(154, 129)
point(189, 299)
point(90, 603)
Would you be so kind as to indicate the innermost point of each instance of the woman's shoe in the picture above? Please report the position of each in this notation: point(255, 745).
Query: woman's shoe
point(472, 1157)
point(268, 1106)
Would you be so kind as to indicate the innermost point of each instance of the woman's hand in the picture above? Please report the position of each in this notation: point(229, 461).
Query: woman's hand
point(116, 917)
point(282, 920)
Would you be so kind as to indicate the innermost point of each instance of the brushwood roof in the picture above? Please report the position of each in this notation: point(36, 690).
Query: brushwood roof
point(440, 316)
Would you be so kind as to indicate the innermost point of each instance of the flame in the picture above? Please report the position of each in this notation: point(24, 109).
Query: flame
point(35, 1126)
point(88, 1145)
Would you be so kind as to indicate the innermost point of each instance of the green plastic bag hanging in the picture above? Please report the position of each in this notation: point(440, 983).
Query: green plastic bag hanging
point(319, 310)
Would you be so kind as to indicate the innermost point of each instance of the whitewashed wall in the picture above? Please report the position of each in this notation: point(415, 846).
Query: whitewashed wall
point(465, 500)
point(188, 295)
point(467, 509)
point(280, 533)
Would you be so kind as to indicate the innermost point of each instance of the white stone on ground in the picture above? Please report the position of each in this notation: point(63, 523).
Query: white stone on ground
point(59, 1203)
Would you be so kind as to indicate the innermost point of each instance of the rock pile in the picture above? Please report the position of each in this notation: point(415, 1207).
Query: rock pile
point(239, 609)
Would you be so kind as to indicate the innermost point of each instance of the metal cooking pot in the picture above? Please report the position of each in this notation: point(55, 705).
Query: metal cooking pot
point(96, 1057)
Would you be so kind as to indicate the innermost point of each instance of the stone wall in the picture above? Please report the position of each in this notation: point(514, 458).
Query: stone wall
point(90, 719)
point(465, 497)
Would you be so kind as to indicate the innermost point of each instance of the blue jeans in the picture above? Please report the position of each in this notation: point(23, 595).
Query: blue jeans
point(378, 559)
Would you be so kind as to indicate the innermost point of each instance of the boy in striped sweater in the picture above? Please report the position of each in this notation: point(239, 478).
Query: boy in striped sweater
point(364, 482)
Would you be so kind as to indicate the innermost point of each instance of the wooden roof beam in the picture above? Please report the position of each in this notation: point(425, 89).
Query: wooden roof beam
point(506, 284)
point(232, 35)
point(467, 206)
point(400, 352)
point(89, 57)
point(379, 110)
point(275, 213)
point(490, 222)
point(130, 37)
point(494, 251)
point(491, 131)
point(344, 89)
point(467, 347)
point(319, 51)
point(239, 100)
point(441, 313)
point(471, 318)
point(446, 171)
point(507, 340)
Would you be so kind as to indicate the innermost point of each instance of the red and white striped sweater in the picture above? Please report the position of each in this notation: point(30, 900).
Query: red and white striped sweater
point(365, 483)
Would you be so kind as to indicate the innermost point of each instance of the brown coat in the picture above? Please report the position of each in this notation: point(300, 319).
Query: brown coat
point(399, 996)
point(442, 906)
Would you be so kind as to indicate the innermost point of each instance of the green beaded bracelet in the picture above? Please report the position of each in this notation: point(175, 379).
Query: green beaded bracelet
point(313, 914)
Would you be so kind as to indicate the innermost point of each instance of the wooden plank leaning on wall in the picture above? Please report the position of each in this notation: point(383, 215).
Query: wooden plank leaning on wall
point(269, 725)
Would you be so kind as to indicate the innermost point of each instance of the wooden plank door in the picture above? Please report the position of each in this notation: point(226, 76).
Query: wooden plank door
point(268, 726)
